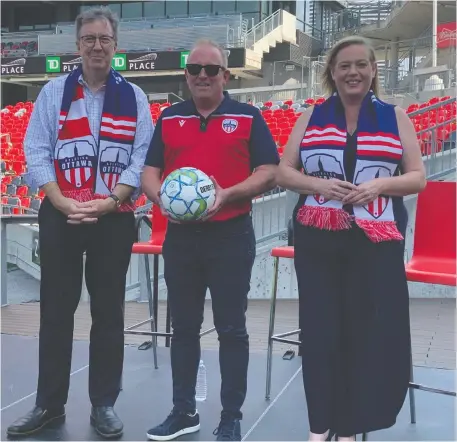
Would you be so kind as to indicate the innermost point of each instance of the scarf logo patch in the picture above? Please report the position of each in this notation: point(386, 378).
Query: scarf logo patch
point(333, 169)
point(113, 161)
point(377, 207)
point(76, 160)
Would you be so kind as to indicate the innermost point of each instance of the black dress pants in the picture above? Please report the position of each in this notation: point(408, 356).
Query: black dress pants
point(108, 246)
point(354, 318)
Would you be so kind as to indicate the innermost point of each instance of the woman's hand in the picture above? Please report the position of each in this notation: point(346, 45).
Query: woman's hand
point(334, 189)
point(364, 193)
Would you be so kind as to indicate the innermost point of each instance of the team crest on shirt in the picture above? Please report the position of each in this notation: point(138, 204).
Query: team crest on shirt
point(113, 161)
point(377, 207)
point(229, 125)
point(76, 159)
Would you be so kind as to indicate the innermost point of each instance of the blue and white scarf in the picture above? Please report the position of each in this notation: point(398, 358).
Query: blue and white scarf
point(86, 168)
point(379, 154)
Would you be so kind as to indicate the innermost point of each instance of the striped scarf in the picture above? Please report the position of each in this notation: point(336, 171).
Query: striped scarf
point(379, 153)
point(87, 169)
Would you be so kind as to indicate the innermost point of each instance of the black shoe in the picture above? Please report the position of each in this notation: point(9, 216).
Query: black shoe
point(106, 422)
point(176, 424)
point(35, 420)
point(229, 429)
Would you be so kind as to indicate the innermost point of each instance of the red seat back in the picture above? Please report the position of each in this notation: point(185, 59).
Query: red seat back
point(159, 226)
point(435, 228)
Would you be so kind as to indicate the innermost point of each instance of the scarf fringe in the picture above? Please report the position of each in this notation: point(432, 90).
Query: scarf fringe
point(378, 231)
point(324, 218)
point(85, 195)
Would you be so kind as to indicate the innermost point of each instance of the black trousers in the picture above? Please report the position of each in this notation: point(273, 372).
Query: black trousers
point(354, 317)
point(218, 256)
point(108, 246)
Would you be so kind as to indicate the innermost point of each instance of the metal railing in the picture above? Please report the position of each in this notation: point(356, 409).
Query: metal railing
point(263, 28)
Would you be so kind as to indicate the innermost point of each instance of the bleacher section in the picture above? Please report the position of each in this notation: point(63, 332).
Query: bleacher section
point(138, 35)
point(18, 197)
point(26, 46)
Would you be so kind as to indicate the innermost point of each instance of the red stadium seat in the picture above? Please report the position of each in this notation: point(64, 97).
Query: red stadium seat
point(434, 254)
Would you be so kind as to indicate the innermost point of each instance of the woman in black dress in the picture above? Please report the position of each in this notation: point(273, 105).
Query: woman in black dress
point(360, 156)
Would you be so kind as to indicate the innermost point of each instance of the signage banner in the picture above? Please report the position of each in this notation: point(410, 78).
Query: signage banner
point(141, 62)
point(446, 35)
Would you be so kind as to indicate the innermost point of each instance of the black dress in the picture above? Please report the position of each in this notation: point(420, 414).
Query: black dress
point(354, 320)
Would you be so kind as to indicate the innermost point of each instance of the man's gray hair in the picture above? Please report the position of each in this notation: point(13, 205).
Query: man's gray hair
point(95, 14)
point(208, 42)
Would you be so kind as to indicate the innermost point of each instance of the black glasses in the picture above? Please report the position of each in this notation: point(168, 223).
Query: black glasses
point(210, 69)
point(89, 40)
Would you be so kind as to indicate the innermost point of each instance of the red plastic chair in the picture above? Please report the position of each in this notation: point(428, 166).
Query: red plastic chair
point(434, 255)
point(434, 252)
point(158, 225)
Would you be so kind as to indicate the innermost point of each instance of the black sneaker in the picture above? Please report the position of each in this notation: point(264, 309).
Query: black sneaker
point(229, 429)
point(176, 424)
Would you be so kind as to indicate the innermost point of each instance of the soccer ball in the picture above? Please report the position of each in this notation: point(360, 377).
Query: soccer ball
point(187, 194)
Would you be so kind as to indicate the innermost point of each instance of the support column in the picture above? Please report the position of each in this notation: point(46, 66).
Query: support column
point(393, 64)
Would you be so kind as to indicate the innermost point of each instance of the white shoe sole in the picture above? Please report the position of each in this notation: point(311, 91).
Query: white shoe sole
point(175, 435)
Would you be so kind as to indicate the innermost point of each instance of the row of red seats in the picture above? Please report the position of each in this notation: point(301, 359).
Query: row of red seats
point(280, 121)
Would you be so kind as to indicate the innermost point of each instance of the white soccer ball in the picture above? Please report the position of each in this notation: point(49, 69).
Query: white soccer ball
point(187, 194)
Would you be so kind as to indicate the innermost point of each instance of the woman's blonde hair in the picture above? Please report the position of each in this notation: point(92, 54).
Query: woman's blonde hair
point(327, 81)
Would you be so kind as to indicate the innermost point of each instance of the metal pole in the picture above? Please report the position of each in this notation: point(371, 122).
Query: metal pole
point(3, 271)
point(434, 29)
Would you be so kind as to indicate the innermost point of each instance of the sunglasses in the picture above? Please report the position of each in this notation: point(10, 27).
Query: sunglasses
point(210, 69)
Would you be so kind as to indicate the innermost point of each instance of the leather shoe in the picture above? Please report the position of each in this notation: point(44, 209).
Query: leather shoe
point(35, 420)
point(106, 422)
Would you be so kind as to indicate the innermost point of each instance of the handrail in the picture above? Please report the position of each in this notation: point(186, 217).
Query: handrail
point(264, 27)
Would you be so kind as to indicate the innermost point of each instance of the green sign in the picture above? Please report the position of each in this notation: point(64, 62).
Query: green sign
point(52, 64)
point(119, 62)
point(36, 248)
point(184, 56)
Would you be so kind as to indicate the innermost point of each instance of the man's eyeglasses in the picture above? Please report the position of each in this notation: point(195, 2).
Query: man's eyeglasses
point(210, 69)
point(90, 40)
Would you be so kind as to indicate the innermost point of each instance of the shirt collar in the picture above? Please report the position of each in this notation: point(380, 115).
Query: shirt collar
point(83, 83)
point(221, 109)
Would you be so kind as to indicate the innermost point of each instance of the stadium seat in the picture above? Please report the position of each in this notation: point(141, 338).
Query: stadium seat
point(434, 255)
point(35, 204)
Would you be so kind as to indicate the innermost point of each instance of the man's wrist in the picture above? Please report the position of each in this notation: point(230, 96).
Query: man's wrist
point(112, 203)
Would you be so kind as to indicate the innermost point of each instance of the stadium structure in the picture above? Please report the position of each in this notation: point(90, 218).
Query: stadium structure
point(276, 53)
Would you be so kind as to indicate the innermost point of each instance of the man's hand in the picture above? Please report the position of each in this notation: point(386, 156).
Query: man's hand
point(72, 208)
point(364, 193)
point(222, 196)
point(165, 214)
point(89, 212)
point(335, 189)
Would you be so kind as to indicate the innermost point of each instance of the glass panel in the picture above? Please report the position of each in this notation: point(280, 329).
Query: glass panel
point(247, 6)
point(223, 6)
point(116, 8)
point(176, 8)
point(132, 10)
point(199, 7)
point(154, 9)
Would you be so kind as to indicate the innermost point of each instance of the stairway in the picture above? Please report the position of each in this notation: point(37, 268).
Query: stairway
point(278, 27)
